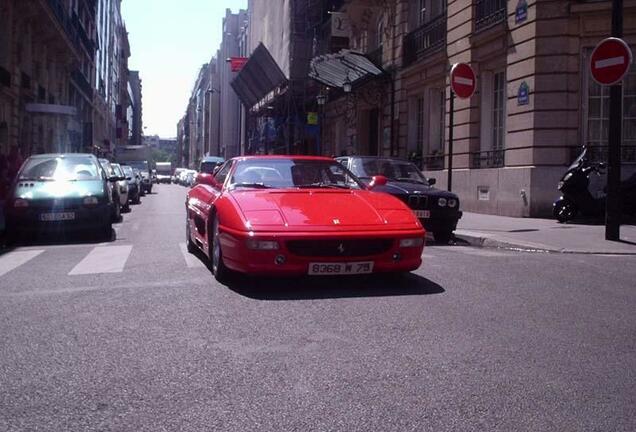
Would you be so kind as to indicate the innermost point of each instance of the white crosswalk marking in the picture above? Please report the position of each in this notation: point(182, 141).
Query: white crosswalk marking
point(191, 260)
point(103, 259)
point(14, 260)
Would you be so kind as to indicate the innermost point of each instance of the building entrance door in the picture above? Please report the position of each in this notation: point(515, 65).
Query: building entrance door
point(374, 136)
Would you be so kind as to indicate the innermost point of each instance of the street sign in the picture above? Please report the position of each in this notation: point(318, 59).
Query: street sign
point(463, 80)
point(610, 61)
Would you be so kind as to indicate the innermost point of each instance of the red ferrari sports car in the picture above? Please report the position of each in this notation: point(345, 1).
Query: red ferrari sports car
point(294, 215)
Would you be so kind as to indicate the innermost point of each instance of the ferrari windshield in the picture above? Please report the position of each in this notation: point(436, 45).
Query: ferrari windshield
point(390, 168)
point(67, 168)
point(292, 173)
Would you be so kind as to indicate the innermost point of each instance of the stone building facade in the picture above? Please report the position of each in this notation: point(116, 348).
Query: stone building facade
point(535, 104)
point(54, 57)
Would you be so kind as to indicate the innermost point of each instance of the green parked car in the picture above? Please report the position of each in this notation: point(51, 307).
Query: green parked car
point(60, 192)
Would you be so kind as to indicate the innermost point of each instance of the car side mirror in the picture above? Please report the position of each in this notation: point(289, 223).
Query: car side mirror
point(128, 178)
point(206, 179)
point(113, 178)
point(378, 180)
point(432, 181)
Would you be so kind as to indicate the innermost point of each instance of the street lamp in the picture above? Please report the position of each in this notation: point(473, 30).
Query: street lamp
point(346, 85)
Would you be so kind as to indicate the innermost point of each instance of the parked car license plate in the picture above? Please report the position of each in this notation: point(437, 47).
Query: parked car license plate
point(363, 267)
point(422, 214)
point(59, 216)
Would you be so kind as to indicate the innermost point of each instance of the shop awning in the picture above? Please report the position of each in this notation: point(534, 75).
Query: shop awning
point(335, 69)
point(258, 78)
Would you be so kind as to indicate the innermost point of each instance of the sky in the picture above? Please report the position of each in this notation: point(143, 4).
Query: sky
point(169, 41)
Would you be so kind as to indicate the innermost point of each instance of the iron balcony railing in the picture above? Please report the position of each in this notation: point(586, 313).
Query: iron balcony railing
point(64, 19)
point(433, 162)
point(487, 159)
point(424, 40)
point(5, 77)
point(82, 83)
point(489, 12)
point(83, 36)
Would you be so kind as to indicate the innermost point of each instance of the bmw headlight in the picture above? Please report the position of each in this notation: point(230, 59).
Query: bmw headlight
point(442, 202)
point(452, 202)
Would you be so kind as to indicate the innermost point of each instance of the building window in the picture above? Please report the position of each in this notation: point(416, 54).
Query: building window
point(420, 113)
point(493, 121)
point(427, 10)
point(595, 115)
point(499, 111)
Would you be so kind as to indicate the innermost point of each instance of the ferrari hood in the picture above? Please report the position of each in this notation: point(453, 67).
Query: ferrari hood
point(322, 209)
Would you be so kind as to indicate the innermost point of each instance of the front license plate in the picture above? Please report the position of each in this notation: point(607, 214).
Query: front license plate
point(61, 216)
point(341, 268)
point(422, 214)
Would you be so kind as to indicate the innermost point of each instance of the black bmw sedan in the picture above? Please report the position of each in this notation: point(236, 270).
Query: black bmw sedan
point(436, 209)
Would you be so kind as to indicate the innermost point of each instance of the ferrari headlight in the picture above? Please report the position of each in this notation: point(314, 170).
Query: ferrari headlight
point(20, 203)
point(91, 200)
point(452, 202)
point(262, 244)
point(411, 242)
point(442, 202)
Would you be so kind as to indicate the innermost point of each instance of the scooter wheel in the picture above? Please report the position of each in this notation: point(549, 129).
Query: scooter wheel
point(564, 210)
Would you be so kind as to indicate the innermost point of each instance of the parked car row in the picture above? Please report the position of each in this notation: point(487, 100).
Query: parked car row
point(63, 192)
point(188, 177)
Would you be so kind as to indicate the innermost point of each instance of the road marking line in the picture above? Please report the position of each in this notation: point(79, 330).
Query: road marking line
point(609, 62)
point(103, 259)
point(191, 260)
point(14, 260)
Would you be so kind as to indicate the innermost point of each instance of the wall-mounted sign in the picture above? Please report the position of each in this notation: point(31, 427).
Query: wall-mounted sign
point(340, 25)
point(523, 95)
point(237, 63)
point(312, 118)
point(521, 11)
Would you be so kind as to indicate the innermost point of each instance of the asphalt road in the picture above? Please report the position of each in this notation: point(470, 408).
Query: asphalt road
point(136, 335)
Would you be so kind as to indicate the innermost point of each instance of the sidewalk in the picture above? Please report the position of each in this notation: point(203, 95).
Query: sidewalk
point(542, 235)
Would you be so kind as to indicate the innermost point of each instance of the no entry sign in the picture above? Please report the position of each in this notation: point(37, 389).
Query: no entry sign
point(610, 61)
point(462, 80)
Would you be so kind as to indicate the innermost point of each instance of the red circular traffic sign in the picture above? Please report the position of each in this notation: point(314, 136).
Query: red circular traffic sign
point(610, 61)
point(463, 80)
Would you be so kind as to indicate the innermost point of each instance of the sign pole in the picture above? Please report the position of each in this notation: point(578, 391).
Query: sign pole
point(451, 120)
point(613, 201)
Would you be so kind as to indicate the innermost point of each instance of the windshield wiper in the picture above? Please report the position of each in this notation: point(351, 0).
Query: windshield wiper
point(322, 185)
point(251, 185)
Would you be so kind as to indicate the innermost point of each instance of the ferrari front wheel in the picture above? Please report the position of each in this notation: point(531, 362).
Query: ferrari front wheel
point(221, 273)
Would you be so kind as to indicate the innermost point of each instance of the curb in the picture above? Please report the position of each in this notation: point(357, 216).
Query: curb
point(480, 240)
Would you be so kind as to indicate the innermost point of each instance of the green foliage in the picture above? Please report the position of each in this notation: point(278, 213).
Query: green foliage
point(159, 155)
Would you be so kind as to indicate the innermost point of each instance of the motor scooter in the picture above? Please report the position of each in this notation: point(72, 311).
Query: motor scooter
point(577, 198)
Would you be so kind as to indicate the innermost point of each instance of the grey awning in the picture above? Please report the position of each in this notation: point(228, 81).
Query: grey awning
point(334, 69)
point(258, 78)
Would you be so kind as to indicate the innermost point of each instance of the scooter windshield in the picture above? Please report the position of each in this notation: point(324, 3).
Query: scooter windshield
point(580, 158)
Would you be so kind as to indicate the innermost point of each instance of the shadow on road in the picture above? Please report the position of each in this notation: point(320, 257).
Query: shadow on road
point(58, 238)
point(308, 288)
